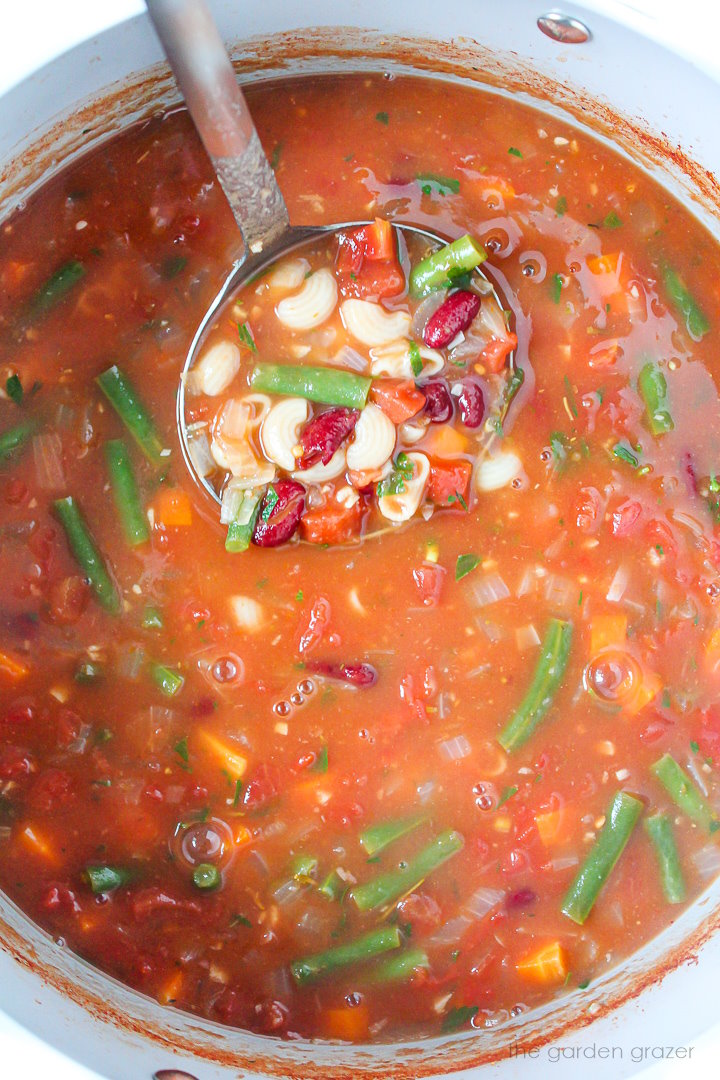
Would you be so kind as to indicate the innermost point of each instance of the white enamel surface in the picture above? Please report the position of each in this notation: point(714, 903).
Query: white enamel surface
point(677, 99)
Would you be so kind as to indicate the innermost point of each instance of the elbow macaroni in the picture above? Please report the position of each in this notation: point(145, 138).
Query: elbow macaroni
point(281, 430)
point(313, 305)
point(403, 505)
point(374, 440)
point(372, 324)
point(394, 360)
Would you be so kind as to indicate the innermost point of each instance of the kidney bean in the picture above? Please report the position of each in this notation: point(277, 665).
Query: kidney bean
point(324, 434)
point(358, 674)
point(438, 402)
point(521, 898)
point(452, 317)
point(284, 518)
point(269, 1016)
point(471, 404)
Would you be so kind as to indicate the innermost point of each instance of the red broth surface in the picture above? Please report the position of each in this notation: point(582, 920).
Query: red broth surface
point(195, 786)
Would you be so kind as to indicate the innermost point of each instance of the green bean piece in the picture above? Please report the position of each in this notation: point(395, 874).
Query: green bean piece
point(86, 553)
point(438, 269)
point(400, 967)
point(659, 829)
point(303, 867)
point(241, 528)
point(15, 439)
point(123, 397)
point(382, 890)
point(152, 619)
point(329, 386)
point(545, 684)
point(206, 876)
point(103, 879)
point(620, 821)
point(685, 793)
point(167, 680)
point(653, 390)
point(377, 837)
point(57, 286)
point(375, 943)
point(333, 886)
point(695, 321)
point(125, 493)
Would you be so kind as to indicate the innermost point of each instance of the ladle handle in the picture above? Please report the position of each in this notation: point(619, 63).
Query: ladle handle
point(206, 78)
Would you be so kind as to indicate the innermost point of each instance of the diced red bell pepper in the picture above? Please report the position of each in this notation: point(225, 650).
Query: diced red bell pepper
point(448, 479)
point(497, 351)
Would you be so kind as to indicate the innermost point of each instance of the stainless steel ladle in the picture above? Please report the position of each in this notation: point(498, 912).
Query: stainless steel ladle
point(207, 80)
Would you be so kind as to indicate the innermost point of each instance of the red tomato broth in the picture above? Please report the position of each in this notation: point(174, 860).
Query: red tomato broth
point(104, 772)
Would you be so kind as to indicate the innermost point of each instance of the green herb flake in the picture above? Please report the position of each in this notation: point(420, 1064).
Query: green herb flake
point(459, 1017)
point(181, 749)
point(299, 596)
point(458, 498)
point(275, 156)
point(584, 984)
point(382, 118)
point(556, 284)
point(434, 182)
point(624, 452)
point(246, 337)
point(173, 266)
point(506, 795)
point(238, 792)
point(271, 498)
point(415, 359)
point(611, 221)
point(694, 746)
point(14, 389)
point(561, 206)
point(559, 446)
point(394, 484)
point(320, 764)
point(514, 151)
point(240, 920)
point(465, 565)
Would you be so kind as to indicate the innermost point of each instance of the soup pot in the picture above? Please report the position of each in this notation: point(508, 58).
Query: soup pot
point(652, 104)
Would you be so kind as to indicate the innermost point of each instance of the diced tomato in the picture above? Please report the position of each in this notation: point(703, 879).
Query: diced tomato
point(60, 899)
point(626, 517)
point(655, 729)
point(262, 787)
point(315, 624)
point(413, 696)
point(399, 399)
point(68, 598)
point(660, 535)
point(376, 280)
point(52, 790)
point(421, 912)
point(708, 737)
point(333, 523)
point(429, 580)
point(497, 351)
point(588, 511)
point(448, 480)
point(367, 262)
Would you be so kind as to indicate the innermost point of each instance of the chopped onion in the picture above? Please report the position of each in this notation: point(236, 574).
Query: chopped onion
point(349, 358)
point(488, 589)
point(563, 862)
point(527, 582)
point(527, 637)
point(425, 311)
point(560, 592)
point(79, 743)
point(707, 860)
point(443, 706)
point(279, 982)
point(455, 749)
point(481, 669)
point(492, 631)
point(618, 585)
point(199, 451)
point(130, 661)
point(424, 791)
point(287, 891)
point(231, 498)
point(47, 450)
point(697, 776)
point(260, 862)
point(483, 900)
point(451, 932)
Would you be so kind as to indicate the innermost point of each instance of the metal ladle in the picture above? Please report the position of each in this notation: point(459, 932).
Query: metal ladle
point(218, 108)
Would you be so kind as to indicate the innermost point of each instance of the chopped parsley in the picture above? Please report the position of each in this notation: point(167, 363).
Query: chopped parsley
point(14, 389)
point(556, 284)
point(624, 451)
point(465, 565)
point(694, 746)
point(457, 1018)
point(172, 266)
point(246, 337)
point(238, 792)
point(570, 394)
point(320, 764)
point(240, 920)
point(507, 794)
point(441, 185)
point(402, 473)
point(514, 151)
point(560, 447)
point(457, 497)
point(181, 749)
point(611, 221)
point(382, 118)
point(271, 498)
point(415, 359)
point(275, 157)
point(299, 596)
point(561, 206)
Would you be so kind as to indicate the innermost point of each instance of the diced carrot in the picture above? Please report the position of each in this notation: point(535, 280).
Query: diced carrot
point(604, 264)
point(333, 523)
point(379, 243)
point(552, 826)
point(443, 441)
point(242, 835)
point(173, 508)
point(36, 842)
point(496, 352)
point(12, 669)
point(231, 760)
point(399, 399)
point(348, 1023)
point(607, 630)
point(648, 688)
point(171, 988)
point(448, 480)
point(547, 965)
